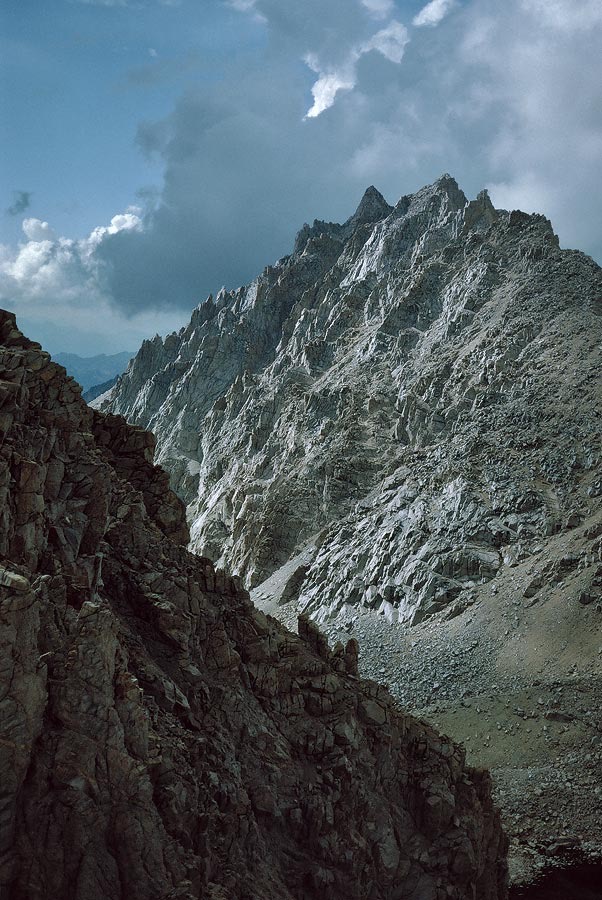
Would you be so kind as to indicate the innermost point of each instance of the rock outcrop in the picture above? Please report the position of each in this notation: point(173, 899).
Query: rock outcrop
point(161, 737)
point(410, 402)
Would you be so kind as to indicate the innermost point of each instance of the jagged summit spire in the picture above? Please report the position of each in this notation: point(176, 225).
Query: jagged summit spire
point(447, 179)
point(448, 185)
point(445, 184)
point(372, 208)
point(443, 187)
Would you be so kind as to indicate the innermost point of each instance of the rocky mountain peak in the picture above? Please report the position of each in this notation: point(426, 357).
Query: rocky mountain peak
point(433, 203)
point(479, 212)
point(356, 348)
point(400, 437)
point(372, 208)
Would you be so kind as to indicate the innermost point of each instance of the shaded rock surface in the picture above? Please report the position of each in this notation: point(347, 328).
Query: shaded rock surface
point(163, 738)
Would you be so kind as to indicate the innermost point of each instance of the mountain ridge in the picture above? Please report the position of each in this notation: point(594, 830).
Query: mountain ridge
point(396, 430)
point(160, 736)
point(356, 303)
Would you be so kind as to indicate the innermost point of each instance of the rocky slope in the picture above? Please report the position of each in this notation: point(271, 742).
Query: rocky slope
point(160, 736)
point(400, 425)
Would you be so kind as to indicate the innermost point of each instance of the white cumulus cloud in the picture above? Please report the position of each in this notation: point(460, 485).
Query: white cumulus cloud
point(390, 42)
point(329, 84)
point(433, 13)
point(52, 281)
point(47, 266)
point(36, 230)
point(127, 221)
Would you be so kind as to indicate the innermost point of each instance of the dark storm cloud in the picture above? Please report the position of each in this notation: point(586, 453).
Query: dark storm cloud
point(21, 203)
point(241, 174)
point(494, 103)
point(243, 170)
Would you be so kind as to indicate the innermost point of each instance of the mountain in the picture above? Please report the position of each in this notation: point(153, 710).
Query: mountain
point(399, 394)
point(396, 430)
point(160, 736)
point(90, 371)
point(98, 389)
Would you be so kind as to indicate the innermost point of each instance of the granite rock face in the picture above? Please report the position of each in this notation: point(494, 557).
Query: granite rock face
point(410, 402)
point(161, 737)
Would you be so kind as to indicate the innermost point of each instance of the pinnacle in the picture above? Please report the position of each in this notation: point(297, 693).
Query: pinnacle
point(448, 185)
point(372, 208)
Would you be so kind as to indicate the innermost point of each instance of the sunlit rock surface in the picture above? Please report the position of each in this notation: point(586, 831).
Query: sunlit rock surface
point(410, 402)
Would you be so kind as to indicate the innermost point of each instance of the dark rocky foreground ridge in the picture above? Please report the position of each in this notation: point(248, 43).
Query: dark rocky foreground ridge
point(161, 737)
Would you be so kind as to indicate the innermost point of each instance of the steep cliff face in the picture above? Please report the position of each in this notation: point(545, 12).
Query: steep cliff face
point(160, 737)
point(398, 412)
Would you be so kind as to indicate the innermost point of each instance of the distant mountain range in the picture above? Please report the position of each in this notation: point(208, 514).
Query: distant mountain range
point(90, 371)
point(98, 389)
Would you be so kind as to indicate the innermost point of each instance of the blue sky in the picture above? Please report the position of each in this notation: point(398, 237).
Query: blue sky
point(78, 78)
point(161, 148)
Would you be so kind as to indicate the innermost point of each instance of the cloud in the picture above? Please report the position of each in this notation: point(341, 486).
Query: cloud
point(565, 15)
point(501, 95)
point(328, 85)
point(505, 106)
point(433, 13)
point(49, 279)
point(47, 265)
point(540, 74)
point(242, 5)
point(128, 221)
point(390, 42)
point(380, 9)
point(330, 37)
point(21, 203)
point(247, 6)
point(36, 230)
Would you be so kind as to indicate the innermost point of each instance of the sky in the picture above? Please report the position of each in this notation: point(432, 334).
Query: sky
point(156, 150)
